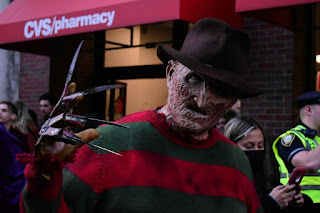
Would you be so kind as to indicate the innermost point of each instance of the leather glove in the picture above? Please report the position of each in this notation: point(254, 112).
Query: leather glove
point(44, 173)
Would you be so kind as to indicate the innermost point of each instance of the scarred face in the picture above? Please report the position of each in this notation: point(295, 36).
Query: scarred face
point(196, 102)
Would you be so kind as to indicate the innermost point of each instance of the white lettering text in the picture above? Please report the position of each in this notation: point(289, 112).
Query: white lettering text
point(48, 26)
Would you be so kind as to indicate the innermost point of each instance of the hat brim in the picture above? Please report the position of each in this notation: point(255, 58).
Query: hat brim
point(166, 54)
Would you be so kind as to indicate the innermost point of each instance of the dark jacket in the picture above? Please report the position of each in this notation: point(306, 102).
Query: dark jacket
point(12, 178)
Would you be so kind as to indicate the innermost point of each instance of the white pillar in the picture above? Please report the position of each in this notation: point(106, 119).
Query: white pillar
point(9, 69)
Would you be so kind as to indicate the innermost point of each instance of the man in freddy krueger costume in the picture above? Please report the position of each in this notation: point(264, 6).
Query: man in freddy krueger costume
point(174, 160)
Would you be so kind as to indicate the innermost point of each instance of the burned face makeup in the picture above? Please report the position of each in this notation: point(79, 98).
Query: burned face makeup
point(196, 102)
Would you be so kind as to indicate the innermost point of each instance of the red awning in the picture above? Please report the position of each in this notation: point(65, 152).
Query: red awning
point(250, 5)
point(27, 20)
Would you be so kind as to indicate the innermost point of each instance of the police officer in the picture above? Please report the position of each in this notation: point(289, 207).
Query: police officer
point(299, 147)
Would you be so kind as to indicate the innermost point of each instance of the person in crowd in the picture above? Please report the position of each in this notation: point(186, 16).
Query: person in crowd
point(25, 124)
point(12, 179)
point(250, 137)
point(221, 124)
point(34, 117)
point(174, 160)
point(299, 147)
point(8, 115)
point(224, 120)
point(47, 102)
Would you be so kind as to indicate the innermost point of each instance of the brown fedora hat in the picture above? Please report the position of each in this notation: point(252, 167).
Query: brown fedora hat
point(217, 50)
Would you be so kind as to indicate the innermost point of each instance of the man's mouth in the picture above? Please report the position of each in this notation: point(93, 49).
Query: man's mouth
point(218, 109)
point(197, 109)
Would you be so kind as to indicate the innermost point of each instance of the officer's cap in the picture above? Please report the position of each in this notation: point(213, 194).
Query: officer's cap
point(308, 99)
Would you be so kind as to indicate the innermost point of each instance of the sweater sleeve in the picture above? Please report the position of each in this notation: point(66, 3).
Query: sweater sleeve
point(43, 192)
point(270, 205)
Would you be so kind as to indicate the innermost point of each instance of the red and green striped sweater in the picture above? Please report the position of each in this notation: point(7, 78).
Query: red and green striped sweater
point(161, 171)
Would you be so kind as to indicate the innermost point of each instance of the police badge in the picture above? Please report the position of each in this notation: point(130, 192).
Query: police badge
point(287, 140)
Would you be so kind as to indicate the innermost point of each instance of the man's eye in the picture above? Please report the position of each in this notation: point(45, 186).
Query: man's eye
point(194, 79)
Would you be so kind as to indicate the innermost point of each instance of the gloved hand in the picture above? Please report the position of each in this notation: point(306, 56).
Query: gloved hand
point(63, 151)
point(44, 173)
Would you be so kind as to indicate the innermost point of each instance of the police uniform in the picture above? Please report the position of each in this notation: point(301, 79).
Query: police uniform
point(295, 140)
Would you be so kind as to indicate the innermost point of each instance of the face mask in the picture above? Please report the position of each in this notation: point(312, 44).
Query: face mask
point(256, 159)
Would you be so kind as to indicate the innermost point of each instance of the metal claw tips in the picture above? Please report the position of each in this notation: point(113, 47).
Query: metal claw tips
point(74, 138)
point(108, 150)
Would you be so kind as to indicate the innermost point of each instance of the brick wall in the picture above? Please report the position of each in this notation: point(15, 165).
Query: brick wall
point(34, 79)
point(271, 69)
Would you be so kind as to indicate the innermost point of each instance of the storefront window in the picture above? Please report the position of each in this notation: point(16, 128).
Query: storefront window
point(136, 46)
point(133, 48)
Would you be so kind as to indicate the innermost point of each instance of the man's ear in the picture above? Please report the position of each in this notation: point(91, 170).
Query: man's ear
point(308, 109)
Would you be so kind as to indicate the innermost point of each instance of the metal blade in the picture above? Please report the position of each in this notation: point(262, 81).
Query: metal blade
point(73, 64)
point(99, 121)
point(69, 76)
point(108, 150)
point(96, 146)
point(99, 89)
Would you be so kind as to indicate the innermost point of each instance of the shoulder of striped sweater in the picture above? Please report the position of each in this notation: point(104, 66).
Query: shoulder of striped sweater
point(134, 117)
point(223, 138)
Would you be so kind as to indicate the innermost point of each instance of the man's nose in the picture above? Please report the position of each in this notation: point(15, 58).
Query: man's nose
point(204, 96)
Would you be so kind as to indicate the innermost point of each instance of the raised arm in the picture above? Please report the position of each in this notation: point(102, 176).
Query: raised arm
point(43, 192)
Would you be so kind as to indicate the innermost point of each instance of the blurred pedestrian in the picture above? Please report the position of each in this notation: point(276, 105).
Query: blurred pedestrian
point(47, 102)
point(26, 125)
point(8, 115)
point(12, 178)
point(34, 117)
point(224, 120)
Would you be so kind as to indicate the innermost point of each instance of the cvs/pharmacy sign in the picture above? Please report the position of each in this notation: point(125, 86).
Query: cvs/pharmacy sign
point(48, 26)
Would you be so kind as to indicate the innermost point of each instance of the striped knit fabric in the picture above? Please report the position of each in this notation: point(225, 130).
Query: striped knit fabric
point(161, 171)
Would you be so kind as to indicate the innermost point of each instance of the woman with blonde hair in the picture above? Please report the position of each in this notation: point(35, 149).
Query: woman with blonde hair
point(25, 124)
point(250, 137)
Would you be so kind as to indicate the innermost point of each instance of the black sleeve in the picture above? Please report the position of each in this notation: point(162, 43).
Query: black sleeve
point(269, 205)
point(288, 146)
